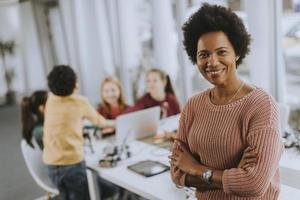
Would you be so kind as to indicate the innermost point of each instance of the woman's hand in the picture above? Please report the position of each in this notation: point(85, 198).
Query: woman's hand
point(249, 159)
point(183, 159)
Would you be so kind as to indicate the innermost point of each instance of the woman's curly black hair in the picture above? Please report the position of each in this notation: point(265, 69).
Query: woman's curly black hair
point(211, 18)
point(62, 80)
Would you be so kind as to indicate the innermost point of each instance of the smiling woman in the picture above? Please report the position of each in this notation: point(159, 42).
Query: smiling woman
point(216, 60)
point(228, 144)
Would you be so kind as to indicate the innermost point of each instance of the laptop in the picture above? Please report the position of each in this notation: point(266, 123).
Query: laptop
point(137, 125)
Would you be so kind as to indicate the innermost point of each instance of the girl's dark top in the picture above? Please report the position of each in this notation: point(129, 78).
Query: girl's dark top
point(113, 114)
point(170, 104)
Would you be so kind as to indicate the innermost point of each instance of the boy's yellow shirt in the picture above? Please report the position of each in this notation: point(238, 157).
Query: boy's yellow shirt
point(63, 139)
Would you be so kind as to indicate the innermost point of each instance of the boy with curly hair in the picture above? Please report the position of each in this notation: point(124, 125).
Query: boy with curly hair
point(63, 139)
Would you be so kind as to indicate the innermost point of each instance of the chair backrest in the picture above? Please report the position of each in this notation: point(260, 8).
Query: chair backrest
point(36, 167)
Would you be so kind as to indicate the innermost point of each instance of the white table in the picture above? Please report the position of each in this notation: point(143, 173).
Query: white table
point(161, 186)
point(290, 168)
point(289, 193)
point(156, 187)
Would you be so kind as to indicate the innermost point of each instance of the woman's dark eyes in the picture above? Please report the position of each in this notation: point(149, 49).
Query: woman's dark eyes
point(203, 55)
point(222, 52)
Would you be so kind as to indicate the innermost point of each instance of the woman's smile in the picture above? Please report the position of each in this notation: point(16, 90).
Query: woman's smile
point(214, 73)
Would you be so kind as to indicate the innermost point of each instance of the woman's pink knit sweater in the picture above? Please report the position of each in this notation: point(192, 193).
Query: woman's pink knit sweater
point(217, 135)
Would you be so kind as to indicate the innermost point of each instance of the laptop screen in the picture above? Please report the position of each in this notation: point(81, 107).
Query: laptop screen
point(137, 125)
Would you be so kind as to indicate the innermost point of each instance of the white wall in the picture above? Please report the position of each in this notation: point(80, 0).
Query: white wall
point(9, 30)
point(164, 37)
point(58, 37)
point(90, 52)
point(88, 43)
point(126, 45)
point(265, 59)
point(34, 73)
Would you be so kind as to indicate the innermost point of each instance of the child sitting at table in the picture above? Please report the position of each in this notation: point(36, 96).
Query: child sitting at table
point(32, 116)
point(63, 139)
point(113, 101)
point(159, 93)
